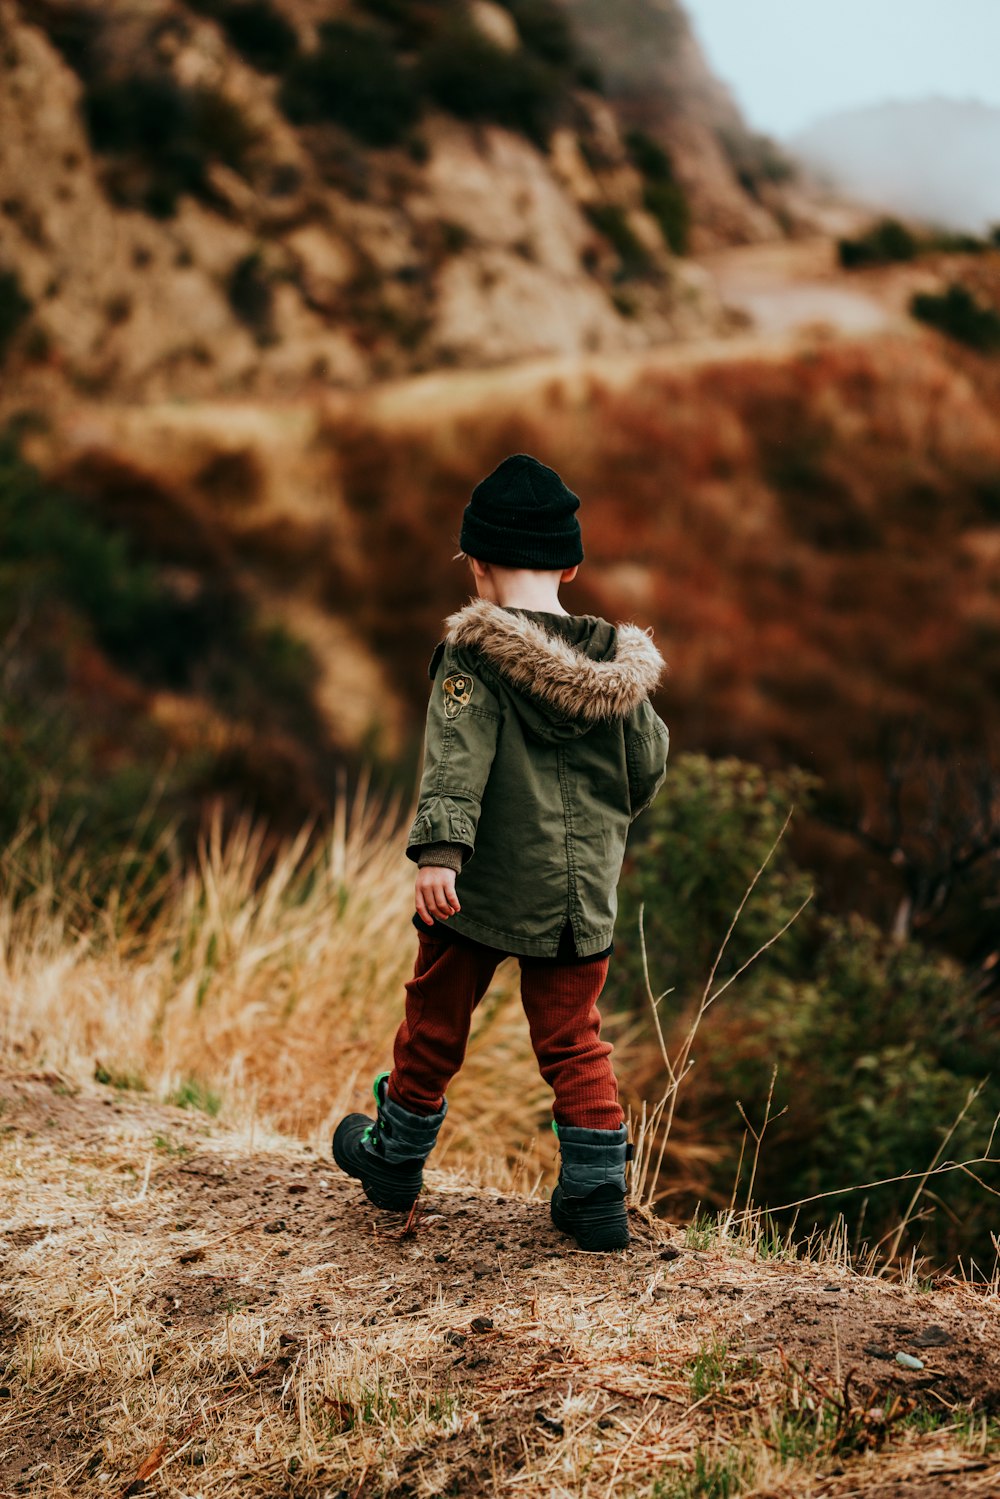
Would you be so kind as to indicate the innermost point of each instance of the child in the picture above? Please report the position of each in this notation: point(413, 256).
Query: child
point(541, 747)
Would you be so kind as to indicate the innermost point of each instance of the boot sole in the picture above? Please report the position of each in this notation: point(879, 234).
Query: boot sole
point(596, 1227)
point(382, 1183)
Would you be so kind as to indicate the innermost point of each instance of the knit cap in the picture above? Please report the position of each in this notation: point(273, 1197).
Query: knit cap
point(523, 515)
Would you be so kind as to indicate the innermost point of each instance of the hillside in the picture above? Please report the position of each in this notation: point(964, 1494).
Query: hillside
point(263, 196)
point(737, 183)
point(934, 160)
point(188, 1310)
point(803, 497)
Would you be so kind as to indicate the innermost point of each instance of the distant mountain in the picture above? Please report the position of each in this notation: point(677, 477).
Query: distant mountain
point(933, 159)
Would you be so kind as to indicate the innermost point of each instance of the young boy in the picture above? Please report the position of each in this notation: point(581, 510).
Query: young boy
point(541, 747)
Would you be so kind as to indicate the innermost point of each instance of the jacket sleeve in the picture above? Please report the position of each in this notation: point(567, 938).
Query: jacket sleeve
point(647, 741)
point(463, 720)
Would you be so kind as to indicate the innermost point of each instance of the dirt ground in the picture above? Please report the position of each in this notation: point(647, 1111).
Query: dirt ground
point(190, 1312)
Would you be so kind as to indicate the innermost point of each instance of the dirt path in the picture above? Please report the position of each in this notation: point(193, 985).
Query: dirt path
point(794, 285)
point(188, 1313)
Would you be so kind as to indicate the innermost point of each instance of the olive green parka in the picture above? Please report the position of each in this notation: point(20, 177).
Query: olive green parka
point(541, 748)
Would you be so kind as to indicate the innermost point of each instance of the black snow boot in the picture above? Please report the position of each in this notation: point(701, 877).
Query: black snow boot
point(386, 1154)
point(588, 1200)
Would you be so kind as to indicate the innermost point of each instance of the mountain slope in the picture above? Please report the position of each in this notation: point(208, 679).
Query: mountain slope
point(659, 80)
point(329, 198)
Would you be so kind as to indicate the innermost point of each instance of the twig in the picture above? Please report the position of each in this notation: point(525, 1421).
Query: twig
point(893, 1249)
point(678, 1070)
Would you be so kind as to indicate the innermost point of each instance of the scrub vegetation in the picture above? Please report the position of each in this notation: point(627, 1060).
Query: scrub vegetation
point(191, 1297)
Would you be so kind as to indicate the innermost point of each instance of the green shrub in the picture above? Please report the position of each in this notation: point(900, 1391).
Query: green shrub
point(818, 505)
point(251, 296)
point(97, 783)
point(877, 1042)
point(702, 841)
point(987, 494)
point(472, 78)
point(957, 313)
point(612, 221)
point(14, 308)
point(163, 137)
point(261, 34)
point(354, 79)
point(668, 204)
point(956, 243)
point(663, 195)
point(75, 32)
point(412, 23)
point(54, 549)
point(755, 159)
point(886, 242)
point(544, 29)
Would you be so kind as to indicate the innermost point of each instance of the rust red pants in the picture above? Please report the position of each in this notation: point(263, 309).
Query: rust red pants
point(560, 1001)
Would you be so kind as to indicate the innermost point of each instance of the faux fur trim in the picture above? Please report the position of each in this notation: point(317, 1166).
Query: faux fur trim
point(550, 668)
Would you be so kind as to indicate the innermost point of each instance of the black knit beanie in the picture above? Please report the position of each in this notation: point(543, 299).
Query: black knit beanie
point(522, 515)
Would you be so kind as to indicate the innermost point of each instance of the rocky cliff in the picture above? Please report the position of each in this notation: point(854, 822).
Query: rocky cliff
point(236, 196)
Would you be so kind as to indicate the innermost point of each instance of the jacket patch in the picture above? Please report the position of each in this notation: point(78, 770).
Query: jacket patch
point(457, 691)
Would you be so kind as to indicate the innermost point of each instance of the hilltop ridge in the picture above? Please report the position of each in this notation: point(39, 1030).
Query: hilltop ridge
point(188, 1311)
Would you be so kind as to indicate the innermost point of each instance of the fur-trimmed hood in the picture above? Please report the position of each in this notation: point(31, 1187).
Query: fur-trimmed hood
point(577, 669)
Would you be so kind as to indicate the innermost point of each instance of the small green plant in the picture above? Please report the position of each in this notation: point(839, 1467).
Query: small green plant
point(793, 1434)
point(885, 242)
point(353, 79)
point(195, 1095)
point(769, 1242)
point(125, 1082)
point(168, 1147)
point(699, 1233)
point(14, 308)
point(709, 1477)
point(707, 1371)
point(957, 314)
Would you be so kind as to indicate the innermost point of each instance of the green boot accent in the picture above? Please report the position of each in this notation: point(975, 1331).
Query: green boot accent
point(386, 1154)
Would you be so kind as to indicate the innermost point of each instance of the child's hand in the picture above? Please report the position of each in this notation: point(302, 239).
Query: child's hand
point(435, 894)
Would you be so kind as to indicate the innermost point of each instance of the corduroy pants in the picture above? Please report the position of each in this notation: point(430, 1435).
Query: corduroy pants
point(560, 1001)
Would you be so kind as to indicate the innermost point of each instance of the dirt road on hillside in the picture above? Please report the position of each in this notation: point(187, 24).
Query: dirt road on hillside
point(792, 286)
point(792, 293)
point(188, 1313)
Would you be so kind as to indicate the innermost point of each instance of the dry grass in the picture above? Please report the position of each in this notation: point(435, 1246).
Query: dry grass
point(268, 999)
point(200, 1307)
point(189, 1312)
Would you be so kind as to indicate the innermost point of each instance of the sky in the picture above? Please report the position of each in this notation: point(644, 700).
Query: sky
point(789, 62)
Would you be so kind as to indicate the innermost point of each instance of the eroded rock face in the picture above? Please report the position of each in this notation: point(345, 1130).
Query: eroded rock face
point(657, 79)
point(302, 257)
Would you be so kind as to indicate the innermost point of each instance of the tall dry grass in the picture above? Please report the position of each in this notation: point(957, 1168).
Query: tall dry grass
point(266, 988)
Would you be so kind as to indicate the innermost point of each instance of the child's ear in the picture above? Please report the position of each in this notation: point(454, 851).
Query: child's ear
point(569, 573)
point(479, 569)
